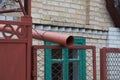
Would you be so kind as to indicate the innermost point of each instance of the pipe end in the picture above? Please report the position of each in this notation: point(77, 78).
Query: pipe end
point(70, 41)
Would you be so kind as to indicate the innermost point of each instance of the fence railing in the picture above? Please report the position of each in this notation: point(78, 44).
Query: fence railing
point(110, 63)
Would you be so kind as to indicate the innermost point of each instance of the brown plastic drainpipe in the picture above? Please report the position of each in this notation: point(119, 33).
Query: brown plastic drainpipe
point(62, 39)
point(55, 37)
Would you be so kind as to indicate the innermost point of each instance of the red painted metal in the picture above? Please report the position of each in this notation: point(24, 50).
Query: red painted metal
point(63, 39)
point(15, 54)
point(13, 61)
point(35, 48)
point(11, 10)
point(22, 8)
point(34, 64)
point(104, 64)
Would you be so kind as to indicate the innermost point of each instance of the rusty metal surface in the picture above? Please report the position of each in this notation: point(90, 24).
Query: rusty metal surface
point(91, 74)
point(109, 63)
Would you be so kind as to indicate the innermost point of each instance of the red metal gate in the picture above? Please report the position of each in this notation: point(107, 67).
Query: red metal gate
point(110, 63)
point(15, 50)
point(90, 59)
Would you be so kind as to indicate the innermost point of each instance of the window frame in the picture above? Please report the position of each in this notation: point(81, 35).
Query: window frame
point(82, 60)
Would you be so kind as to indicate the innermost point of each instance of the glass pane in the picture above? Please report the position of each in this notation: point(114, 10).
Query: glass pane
point(73, 54)
point(57, 73)
point(73, 71)
point(56, 53)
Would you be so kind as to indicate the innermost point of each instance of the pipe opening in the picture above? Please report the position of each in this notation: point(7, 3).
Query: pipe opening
point(70, 41)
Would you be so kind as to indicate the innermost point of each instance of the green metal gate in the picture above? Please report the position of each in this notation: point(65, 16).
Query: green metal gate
point(65, 64)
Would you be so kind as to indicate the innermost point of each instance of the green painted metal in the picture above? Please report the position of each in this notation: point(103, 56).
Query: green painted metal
point(81, 60)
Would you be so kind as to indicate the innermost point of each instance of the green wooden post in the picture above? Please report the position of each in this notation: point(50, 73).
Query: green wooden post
point(82, 58)
point(80, 66)
point(65, 63)
point(48, 65)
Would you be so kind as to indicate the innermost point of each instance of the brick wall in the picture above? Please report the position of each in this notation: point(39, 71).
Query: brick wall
point(74, 13)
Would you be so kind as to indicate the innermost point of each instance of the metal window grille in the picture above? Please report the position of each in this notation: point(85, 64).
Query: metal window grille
point(64, 65)
point(110, 64)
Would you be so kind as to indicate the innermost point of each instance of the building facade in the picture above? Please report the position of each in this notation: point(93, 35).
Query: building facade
point(86, 19)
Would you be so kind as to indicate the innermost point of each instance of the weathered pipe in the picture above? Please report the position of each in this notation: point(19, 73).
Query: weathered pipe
point(62, 39)
point(55, 37)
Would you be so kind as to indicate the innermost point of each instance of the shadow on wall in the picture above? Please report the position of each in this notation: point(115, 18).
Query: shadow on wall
point(113, 7)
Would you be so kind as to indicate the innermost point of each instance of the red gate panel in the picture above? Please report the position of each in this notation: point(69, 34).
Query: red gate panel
point(15, 49)
point(12, 61)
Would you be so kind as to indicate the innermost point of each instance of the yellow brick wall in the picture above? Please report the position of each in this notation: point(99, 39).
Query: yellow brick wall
point(73, 13)
point(70, 13)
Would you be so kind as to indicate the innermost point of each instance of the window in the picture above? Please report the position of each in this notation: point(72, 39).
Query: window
point(65, 64)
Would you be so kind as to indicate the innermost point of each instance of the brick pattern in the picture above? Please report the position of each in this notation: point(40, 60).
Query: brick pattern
point(59, 12)
point(74, 13)
point(99, 15)
point(113, 38)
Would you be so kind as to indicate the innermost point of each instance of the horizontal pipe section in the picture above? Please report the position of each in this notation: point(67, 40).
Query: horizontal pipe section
point(62, 39)
point(55, 37)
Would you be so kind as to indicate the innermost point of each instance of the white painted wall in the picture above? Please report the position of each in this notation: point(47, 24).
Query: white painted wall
point(113, 37)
